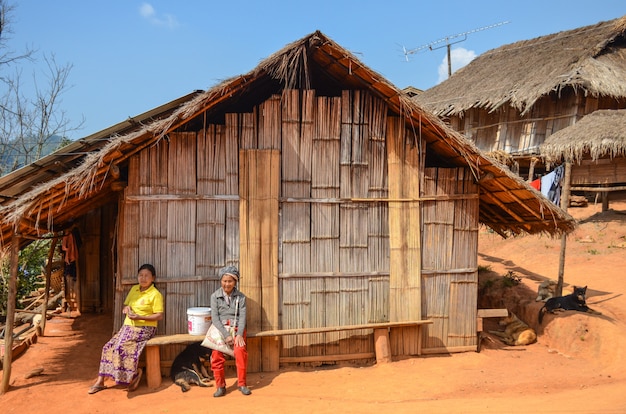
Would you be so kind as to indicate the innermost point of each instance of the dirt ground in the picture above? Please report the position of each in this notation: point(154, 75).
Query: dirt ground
point(577, 365)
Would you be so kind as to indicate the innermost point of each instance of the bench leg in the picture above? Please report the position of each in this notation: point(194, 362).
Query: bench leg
point(419, 340)
point(153, 366)
point(381, 345)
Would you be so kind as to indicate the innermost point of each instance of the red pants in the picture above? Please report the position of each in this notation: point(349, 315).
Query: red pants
point(241, 362)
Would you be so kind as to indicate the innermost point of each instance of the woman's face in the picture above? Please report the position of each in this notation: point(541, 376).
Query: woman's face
point(228, 283)
point(145, 278)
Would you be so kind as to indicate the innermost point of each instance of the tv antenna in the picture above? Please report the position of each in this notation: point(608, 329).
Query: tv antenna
point(437, 44)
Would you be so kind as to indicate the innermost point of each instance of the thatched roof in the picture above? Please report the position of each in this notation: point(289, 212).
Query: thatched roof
point(597, 135)
point(591, 60)
point(507, 204)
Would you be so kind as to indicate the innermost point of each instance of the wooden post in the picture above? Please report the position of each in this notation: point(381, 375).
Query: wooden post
point(605, 199)
point(381, 345)
point(531, 169)
point(564, 205)
point(8, 333)
point(44, 311)
point(153, 366)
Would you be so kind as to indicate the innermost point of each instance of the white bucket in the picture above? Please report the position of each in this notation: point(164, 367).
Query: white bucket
point(198, 320)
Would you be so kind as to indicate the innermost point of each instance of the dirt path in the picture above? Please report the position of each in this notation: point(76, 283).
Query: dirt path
point(576, 366)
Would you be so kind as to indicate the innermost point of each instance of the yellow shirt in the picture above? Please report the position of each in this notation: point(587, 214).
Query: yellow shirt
point(143, 304)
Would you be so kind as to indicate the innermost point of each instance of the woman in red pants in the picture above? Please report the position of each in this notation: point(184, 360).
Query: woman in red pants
point(228, 310)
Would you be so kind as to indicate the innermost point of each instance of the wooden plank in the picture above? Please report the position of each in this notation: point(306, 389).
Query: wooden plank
point(405, 245)
point(338, 328)
point(260, 175)
point(327, 358)
point(492, 313)
point(174, 339)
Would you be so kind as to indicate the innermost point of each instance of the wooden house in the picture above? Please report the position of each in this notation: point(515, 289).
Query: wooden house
point(511, 99)
point(340, 199)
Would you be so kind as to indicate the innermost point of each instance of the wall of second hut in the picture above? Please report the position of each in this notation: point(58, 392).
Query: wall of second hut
point(505, 129)
point(297, 193)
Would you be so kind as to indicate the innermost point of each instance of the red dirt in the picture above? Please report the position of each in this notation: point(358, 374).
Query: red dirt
point(576, 365)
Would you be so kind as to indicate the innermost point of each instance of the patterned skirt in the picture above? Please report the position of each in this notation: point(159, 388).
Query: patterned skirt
point(120, 356)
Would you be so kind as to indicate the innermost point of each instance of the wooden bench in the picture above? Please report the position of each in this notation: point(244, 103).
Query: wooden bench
point(381, 342)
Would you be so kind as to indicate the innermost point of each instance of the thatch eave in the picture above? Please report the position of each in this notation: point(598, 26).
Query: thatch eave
point(598, 135)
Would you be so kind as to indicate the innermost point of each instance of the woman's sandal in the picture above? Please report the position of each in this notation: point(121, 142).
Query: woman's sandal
point(135, 382)
point(96, 388)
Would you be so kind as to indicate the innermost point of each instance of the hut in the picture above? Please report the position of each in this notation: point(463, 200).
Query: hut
point(341, 200)
point(596, 148)
point(509, 100)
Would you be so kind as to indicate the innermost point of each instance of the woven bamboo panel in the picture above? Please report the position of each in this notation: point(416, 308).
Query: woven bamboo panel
point(181, 165)
point(153, 235)
point(158, 158)
point(211, 161)
point(450, 276)
point(463, 308)
point(269, 136)
point(601, 171)
point(248, 130)
point(181, 238)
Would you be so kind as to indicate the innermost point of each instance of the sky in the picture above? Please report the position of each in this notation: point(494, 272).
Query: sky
point(128, 57)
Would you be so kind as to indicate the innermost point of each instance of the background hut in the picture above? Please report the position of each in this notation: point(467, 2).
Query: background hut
point(596, 147)
point(509, 100)
point(339, 198)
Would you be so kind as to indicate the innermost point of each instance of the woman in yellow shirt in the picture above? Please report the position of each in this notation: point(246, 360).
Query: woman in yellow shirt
point(143, 307)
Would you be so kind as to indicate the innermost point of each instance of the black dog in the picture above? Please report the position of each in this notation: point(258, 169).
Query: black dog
point(576, 300)
point(188, 368)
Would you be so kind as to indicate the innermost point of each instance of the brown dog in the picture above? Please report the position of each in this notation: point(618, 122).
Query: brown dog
point(516, 331)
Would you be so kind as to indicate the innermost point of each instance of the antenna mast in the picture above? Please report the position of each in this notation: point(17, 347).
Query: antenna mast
point(448, 41)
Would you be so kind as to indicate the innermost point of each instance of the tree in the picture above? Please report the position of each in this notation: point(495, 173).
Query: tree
point(30, 127)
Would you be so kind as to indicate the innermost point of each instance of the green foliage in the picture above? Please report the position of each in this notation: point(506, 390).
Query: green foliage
point(511, 279)
point(484, 268)
point(32, 261)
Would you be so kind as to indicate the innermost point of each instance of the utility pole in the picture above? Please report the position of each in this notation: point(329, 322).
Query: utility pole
point(448, 42)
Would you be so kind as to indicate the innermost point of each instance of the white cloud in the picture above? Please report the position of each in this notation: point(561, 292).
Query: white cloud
point(459, 58)
point(166, 20)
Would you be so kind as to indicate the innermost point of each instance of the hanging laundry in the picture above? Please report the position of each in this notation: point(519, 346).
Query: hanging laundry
point(69, 247)
point(70, 244)
point(536, 184)
point(551, 184)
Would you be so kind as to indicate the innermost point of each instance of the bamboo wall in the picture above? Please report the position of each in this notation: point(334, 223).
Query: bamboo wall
point(602, 171)
point(506, 130)
point(297, 193)
point(449, 259)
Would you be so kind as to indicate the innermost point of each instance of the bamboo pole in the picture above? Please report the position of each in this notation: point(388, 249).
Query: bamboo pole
point(564, 204)
point(8, 334)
